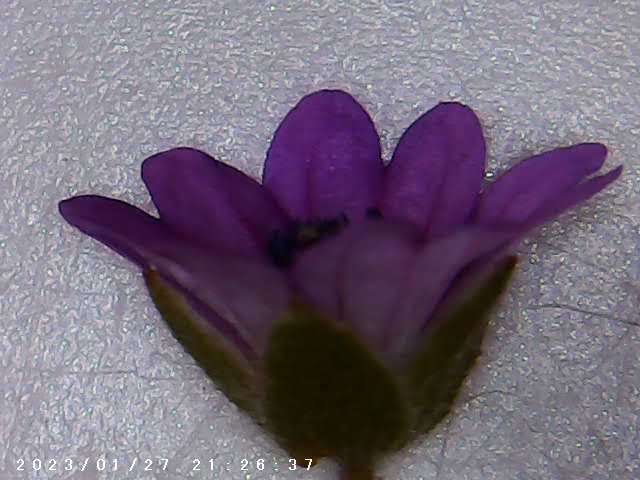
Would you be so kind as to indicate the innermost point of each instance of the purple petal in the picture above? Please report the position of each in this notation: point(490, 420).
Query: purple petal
point(315, 273)
point(434, 270)
point(525, 188)
point(572, 197)
point(483, 266)
point(243, 294)
point(436, 171)
point(468, 281)
point(373, 279)
point(206, 318)
point(210, 202)
point(358, 276)
point(248, 294)
point(324, 159)
point(120, 226)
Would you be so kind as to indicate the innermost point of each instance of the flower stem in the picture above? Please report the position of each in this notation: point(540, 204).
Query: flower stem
point(357, 472)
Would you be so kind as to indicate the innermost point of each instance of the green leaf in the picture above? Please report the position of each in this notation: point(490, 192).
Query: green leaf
point(326, 394)
point(220, 360)
point(450, 350)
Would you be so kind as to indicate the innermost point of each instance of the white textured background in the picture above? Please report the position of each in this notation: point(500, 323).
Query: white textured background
point(88, 89)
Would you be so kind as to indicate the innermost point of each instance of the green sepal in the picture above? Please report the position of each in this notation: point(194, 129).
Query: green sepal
point(226, 366)
point(327, 395)
point(451, 348)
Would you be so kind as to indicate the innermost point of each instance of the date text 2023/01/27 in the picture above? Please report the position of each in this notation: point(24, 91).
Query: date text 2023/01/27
point(104, 464)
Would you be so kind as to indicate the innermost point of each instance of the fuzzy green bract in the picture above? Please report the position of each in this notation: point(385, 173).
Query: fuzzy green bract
point(327, 395)
point(450, 350)
point(208, 349)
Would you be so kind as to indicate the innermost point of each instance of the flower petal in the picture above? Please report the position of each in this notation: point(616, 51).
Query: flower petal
point(315, 273)
point(210, 202)
point(243, 295)
point(373, 279)
point(572, 197)
point(482, 267)
point(324, 158)
point(357, 278)
point(525, 188)
point(472, 277)
point(248, 294)
point(133, 234)
point(201, 312)
point(436, 171)
point(434, 270)
point(120, 226)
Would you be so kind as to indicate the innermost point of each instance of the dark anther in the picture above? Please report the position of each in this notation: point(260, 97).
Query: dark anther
point(305, 235)
point(330, 226)
point(283, 245)
point(281, 248)
point(373, 213)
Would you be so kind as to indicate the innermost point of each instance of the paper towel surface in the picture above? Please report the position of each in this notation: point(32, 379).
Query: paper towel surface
point(88, 89)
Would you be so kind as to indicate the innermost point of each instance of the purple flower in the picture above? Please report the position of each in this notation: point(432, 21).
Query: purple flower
point(341, 302)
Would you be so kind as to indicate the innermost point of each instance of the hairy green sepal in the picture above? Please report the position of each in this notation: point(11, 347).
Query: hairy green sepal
point(450, 350)
point(225, 366)
point(327, 395)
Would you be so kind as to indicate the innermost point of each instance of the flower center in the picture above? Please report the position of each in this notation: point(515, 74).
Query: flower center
point(284, 244)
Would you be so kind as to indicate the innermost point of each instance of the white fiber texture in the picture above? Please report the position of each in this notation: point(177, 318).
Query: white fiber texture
point(89, 89)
